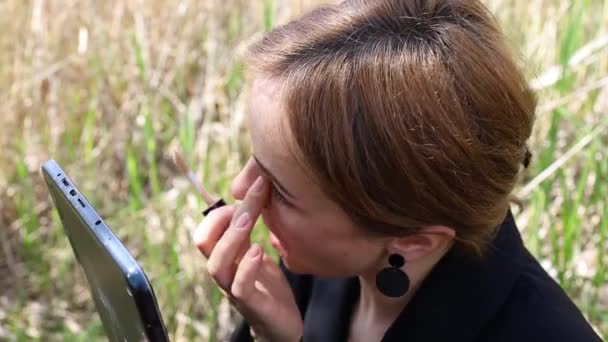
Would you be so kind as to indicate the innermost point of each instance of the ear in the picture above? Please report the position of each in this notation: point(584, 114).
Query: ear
point(427, 241)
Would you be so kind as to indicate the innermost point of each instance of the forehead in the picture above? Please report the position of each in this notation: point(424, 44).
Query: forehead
point(267, 119)
point(270, 135)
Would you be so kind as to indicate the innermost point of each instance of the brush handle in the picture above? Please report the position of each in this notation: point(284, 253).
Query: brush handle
point(219, 203)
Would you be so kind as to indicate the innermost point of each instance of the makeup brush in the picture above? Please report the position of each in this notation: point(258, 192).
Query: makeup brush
point(179, 161)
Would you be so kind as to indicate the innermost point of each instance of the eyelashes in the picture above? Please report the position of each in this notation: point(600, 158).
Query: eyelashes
point(277, 196)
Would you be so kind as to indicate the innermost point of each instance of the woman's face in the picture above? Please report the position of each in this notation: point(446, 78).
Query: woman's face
point(311, 233)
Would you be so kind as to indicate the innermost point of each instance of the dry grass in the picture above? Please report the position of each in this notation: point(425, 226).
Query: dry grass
point(110, 88)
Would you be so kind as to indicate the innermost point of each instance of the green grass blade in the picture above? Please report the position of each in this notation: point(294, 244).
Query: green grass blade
point(89, 135)
point(151, 147)
point(537, 207)
point(139, 57)
point(269, 19)
point(135, 185)
point(571, 40)
point(187, 137)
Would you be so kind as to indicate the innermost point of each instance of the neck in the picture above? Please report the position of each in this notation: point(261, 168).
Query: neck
point(374, 307)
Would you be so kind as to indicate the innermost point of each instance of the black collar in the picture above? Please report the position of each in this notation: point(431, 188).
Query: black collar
point(460, 295)
point(456, 300)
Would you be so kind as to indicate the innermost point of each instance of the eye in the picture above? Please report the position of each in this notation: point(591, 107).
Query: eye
point(277, 196)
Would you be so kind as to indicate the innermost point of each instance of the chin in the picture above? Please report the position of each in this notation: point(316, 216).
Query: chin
point(294, 266)
point(298, 268)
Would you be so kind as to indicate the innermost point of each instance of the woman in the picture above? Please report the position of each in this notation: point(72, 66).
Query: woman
point(387, 137)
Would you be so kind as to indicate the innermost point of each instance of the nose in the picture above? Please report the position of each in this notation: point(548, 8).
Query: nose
point(243, 181)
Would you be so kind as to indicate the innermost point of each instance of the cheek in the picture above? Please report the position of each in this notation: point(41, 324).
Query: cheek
point(282, 222)
point(298, 234)
point(302, 234)
point(340, 254)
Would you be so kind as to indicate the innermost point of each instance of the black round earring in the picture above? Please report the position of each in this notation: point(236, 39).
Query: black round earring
point(392, 281)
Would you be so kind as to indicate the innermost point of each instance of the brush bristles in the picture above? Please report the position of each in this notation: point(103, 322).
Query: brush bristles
point(183, 167)
point(180, 162)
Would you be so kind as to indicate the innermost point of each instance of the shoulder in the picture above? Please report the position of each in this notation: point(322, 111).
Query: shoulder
point(538, 309)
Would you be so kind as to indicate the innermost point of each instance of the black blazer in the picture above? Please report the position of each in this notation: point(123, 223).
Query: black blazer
point(505, 297)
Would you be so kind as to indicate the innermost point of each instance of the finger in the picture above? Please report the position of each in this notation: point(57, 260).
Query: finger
point(228, 250)
point(222, 261)
point(210, 230)
point(255, 199)
point(244, 179)
point(243, 284)
point(273, 272)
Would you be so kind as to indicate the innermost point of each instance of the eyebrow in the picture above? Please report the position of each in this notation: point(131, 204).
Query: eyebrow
point(273, 178)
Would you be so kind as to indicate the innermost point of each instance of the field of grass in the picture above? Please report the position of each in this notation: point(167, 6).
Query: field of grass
point(110, 88)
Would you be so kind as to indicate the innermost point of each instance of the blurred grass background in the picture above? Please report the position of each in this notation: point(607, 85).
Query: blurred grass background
point(111, 88)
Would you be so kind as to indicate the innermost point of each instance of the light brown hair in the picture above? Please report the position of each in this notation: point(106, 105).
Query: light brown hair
point(408, 113)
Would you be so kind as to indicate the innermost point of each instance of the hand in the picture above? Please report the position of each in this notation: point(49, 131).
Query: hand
point(250, 279)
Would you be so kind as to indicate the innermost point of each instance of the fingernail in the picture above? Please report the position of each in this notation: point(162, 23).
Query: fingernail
point(253, 251)
point(242, 221)
point(258, 185)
